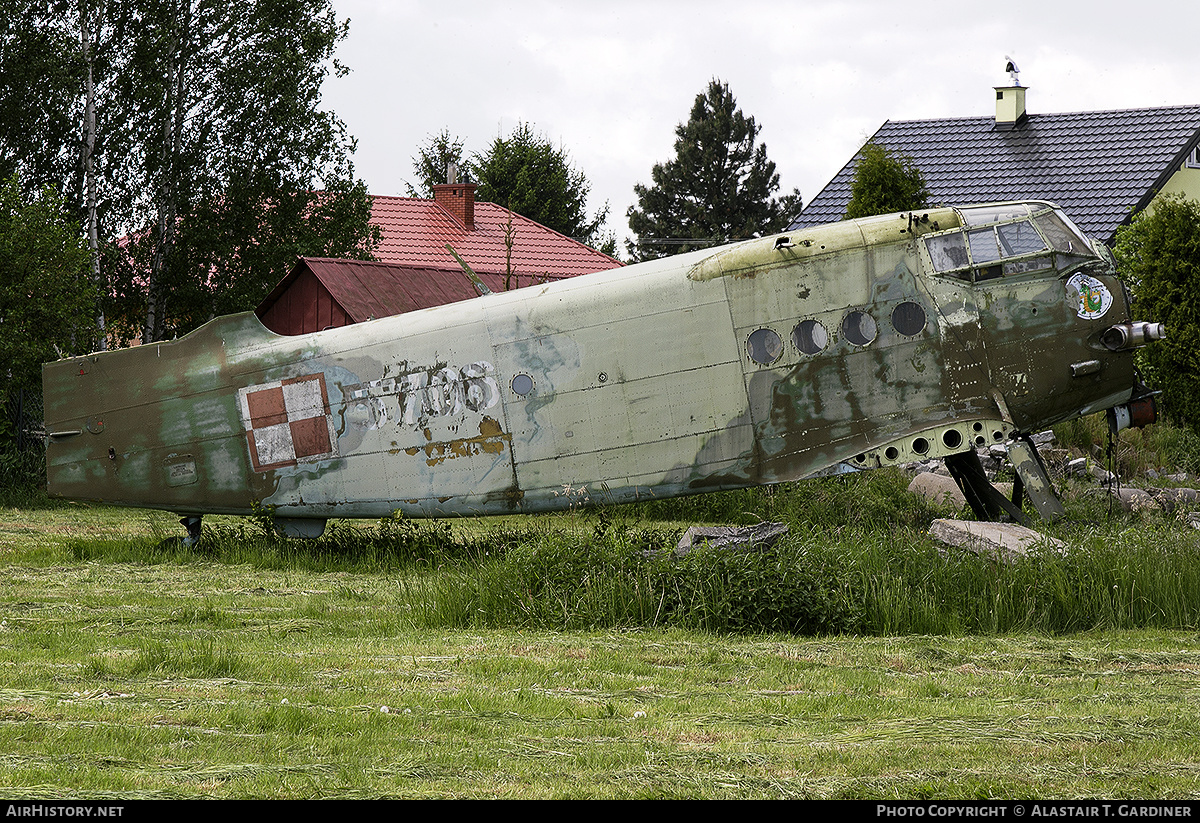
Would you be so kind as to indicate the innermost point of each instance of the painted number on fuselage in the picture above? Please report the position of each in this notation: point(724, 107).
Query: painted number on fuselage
point(425, 394)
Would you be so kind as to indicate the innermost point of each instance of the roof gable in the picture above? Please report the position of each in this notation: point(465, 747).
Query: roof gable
point(368, 289)
point(1100, 167)
point(358, 290)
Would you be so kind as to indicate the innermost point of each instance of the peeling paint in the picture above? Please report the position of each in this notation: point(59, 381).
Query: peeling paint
point(637, 380)
point(491, 440)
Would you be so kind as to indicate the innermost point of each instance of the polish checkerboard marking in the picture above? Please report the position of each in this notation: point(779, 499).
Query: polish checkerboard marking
point(288, 422)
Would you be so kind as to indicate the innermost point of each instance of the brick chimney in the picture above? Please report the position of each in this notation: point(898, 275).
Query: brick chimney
point(459, 200)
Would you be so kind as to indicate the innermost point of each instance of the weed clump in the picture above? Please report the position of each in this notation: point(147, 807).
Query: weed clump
point(632, 577)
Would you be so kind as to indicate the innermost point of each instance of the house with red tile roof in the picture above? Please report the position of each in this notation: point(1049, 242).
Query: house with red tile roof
point(415, 269)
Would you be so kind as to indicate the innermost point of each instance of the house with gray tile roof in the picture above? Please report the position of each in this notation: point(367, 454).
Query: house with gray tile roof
point(1101, 167)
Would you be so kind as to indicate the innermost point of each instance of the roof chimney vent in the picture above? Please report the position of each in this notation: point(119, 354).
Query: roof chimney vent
point(459, 200)
point(1011, 68)
point(1010, 100)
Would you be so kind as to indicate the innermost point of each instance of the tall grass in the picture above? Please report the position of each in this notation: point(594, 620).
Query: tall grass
point(857, 560)
point(628, 578)
point(1160, 446)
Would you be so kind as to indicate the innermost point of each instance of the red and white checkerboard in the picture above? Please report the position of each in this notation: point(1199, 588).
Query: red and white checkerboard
point(288, 422)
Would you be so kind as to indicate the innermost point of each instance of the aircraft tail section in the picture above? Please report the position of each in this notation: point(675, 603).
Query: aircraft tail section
point(156, 425)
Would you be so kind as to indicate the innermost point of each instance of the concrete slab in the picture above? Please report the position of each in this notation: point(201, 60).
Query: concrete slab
point(760, 537)
point(1002, 541)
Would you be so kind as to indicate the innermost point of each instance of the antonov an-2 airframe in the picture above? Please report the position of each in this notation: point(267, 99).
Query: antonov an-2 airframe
point(865, 343)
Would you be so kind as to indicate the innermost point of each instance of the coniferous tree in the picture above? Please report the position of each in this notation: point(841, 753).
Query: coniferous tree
point(885, 182)
point(433, 159)
point(528, 174)
point(719, 188)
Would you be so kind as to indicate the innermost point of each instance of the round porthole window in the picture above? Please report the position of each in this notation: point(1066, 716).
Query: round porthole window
point(764, 346)
point(810, 337)
point(522, 385)
point(859, 328)
point(908, 318)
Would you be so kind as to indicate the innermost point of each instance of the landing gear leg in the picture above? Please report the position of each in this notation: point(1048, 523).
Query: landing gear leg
point(192, 524)
point(985, 500)
point(1036, 482)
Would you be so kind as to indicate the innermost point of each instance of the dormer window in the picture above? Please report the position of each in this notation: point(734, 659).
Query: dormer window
point(1193, 159)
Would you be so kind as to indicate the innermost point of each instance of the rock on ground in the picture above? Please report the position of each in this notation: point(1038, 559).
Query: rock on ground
point(759, 537)
point(1003, 541)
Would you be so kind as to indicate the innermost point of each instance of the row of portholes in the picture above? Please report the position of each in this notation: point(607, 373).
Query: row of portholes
point(951, 439)
point(765, 346)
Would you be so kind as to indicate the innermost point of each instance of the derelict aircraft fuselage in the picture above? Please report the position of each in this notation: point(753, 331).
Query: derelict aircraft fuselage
point(869, 342)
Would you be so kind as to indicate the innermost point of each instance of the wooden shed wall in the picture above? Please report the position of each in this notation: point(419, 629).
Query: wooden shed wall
point(305, 306)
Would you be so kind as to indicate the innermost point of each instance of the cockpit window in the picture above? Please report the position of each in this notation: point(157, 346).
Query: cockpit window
point(994, 214)
point(983, 245)
point(1063, 236)
point(1020, 238)
point(948, 251)
point(981, 252)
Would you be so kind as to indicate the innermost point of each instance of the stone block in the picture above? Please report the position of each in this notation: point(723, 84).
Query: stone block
point(1005, 542)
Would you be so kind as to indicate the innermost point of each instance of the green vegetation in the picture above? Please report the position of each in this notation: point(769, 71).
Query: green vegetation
point(857, 561)
point(577, 656)
point(1163, 447)
point(885, 182)
point(528, 174)
point(719, 186)
point(1159, 254)
point(189, 143)
point(46, 293)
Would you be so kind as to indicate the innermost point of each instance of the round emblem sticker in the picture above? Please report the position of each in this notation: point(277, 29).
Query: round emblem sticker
point(1092, 297)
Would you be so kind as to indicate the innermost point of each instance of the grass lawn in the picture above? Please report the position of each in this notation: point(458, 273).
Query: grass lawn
point(188, 676)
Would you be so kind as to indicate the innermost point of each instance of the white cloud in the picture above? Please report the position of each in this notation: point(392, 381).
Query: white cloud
point(610, 81)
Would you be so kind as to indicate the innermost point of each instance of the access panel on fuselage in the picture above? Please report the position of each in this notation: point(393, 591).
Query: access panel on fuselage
point(628, 384)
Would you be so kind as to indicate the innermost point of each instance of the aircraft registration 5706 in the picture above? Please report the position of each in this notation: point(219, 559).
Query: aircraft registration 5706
point(865, 343)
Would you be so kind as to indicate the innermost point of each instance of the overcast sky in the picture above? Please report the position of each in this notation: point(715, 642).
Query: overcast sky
point(610, 80)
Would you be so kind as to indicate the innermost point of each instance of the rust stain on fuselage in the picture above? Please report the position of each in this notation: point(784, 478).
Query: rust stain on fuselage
point(491, 440)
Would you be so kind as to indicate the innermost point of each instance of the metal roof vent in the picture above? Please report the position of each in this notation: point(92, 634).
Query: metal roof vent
point(1010, 100)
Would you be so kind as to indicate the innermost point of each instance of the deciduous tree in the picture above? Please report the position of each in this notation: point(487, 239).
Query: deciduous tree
point(243, 170)
point(46, 293)
point(719, 187)
point(1159, 254)
point(190, 135)
point(40, 83)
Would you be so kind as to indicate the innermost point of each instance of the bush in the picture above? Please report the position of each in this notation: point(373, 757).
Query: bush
point(1159, 253)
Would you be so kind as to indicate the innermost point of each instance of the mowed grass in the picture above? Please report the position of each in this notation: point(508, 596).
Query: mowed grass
point(254, 668)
